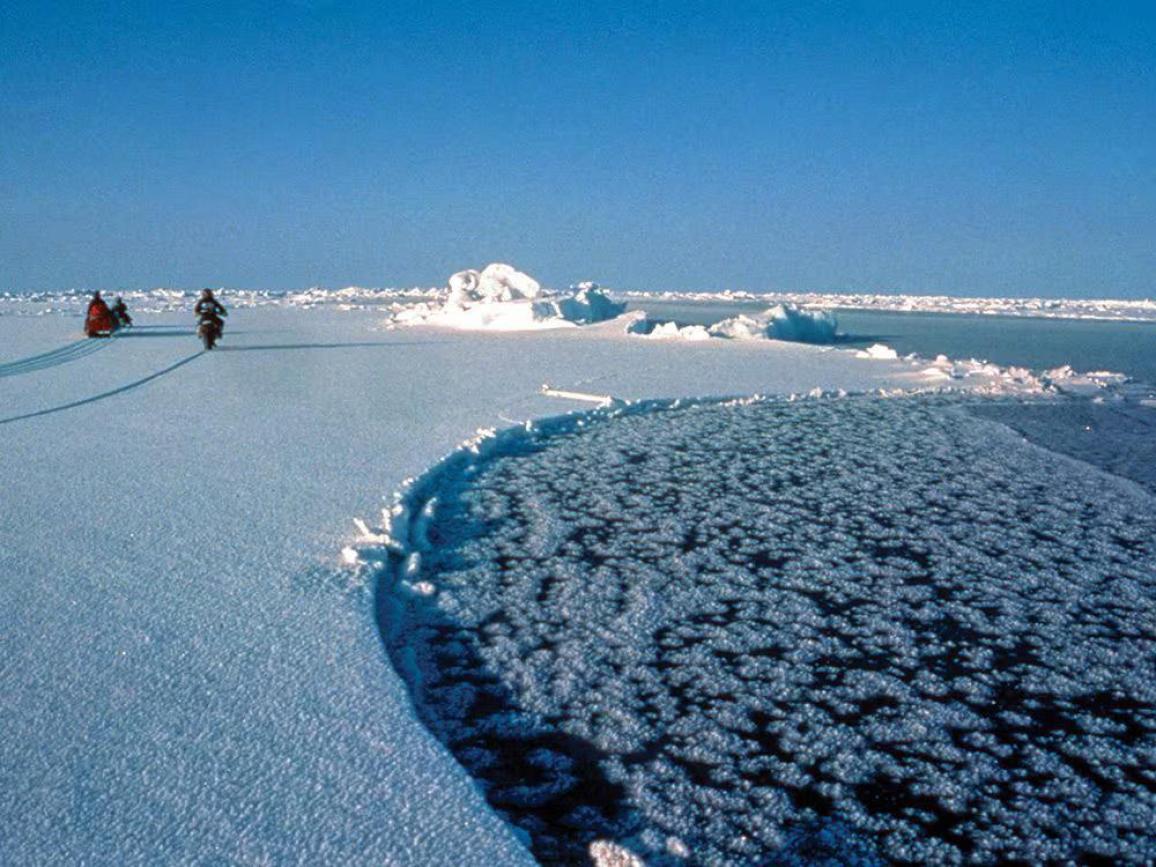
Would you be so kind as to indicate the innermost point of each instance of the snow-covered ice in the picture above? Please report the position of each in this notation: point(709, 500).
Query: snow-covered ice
point(189, 672)
point(164, 299)
point(495, 282)
point(192, 673)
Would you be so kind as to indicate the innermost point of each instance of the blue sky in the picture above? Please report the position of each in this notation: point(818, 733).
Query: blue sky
point(968, 148)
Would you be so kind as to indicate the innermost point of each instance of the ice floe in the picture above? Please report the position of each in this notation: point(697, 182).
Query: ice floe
point(790, 323)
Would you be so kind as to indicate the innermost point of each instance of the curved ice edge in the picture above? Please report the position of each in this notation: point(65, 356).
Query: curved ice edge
point(392, 545)
point(389, 556)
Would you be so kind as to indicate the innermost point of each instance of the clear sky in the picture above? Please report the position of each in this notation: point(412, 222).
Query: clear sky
point(1004, 148)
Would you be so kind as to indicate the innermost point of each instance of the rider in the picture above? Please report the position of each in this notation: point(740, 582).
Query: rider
point(120, 313)
point(210, 308)
point(98, 321)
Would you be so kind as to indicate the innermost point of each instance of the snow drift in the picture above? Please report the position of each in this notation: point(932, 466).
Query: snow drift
point(501, 298)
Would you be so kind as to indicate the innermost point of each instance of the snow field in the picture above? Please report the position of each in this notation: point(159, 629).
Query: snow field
point(875, 628)
point(188, 674)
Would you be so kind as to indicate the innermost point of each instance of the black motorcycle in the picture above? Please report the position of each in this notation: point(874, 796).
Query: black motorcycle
point(120, 317)
point(209, 329)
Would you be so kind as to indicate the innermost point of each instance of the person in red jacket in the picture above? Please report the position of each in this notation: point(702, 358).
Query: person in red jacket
point(98, 322)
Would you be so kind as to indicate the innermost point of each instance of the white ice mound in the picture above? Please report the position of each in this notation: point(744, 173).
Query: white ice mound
point(656, 330)
point(502, 298)
point(1069, 381)
point(781, 322)
point(495, 282)
point(878, 352)
point(740, 328)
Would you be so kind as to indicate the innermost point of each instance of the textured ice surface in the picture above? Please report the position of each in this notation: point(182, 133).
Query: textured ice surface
point(840, 628)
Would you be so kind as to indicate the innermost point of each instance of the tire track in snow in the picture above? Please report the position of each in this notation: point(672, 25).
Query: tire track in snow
point(54, 358)
point(104, 395)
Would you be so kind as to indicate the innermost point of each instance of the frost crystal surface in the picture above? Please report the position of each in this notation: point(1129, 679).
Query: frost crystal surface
point(837, 631)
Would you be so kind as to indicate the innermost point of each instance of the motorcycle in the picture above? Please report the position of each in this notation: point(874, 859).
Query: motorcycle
point(209, 329)
point(120, 318)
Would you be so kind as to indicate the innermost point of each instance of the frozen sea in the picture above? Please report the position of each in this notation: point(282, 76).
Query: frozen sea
point(189, 672)
point(192, 672)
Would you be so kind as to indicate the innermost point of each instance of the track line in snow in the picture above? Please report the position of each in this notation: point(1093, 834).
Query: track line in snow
point(107, 394)
point(53, 358)
point(360, 344)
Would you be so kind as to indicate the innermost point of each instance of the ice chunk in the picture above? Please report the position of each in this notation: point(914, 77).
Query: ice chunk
point(740, 328)
point(788, 322)
point(879, 352)
point(501, 298)
point(495, 282)
point(781, 322)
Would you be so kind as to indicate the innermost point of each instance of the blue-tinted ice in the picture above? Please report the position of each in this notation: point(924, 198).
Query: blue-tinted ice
point(881, 628)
